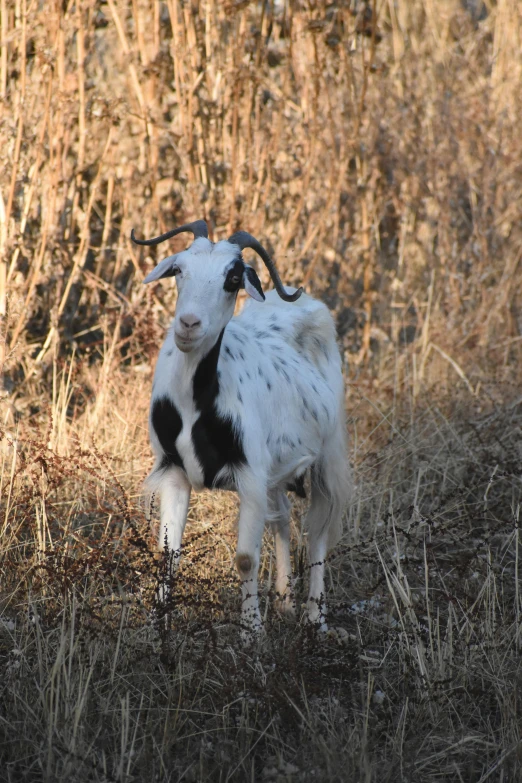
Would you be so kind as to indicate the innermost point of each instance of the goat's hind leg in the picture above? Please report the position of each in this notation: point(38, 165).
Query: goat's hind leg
point(279, 509)
point(330, 492)
point(317, 524)
point(252, 516)
point(315, 611)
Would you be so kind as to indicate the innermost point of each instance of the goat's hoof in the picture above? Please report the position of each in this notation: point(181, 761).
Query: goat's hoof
point(339, 635)
point(319, 625)
point(314, 615)
point(252, 635)
point(252, 629)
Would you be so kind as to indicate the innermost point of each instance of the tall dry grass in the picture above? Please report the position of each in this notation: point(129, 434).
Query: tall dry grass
point(375, 148)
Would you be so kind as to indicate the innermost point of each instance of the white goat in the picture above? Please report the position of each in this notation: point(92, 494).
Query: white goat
point(249, 403)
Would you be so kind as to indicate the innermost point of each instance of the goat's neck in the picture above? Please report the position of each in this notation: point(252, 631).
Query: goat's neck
point(198, 369)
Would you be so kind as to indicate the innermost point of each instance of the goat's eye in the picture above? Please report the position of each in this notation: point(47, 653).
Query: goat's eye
point(234, 277)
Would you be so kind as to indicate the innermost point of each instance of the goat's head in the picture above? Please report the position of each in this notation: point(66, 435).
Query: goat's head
point(208, 277)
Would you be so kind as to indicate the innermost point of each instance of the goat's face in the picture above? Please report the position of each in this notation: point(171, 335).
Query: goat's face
point(208, 278)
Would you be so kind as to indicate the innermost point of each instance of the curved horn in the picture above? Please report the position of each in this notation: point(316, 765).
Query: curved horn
point(198, 228)
point(243, 239)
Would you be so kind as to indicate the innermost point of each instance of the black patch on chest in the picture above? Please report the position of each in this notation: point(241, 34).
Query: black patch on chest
point(167, 425)
point(217, 443)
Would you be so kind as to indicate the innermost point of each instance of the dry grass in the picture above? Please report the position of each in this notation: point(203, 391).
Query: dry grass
point(376, 148)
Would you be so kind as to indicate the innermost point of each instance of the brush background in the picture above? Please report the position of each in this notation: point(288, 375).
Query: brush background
point(375, 149)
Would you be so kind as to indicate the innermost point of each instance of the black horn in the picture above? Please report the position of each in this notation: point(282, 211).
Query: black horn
point(243, 239)
point(198, 228)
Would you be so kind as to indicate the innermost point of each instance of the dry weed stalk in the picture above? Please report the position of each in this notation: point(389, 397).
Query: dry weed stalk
point(313, 127)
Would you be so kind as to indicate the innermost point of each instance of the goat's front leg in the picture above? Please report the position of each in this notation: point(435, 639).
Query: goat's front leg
point(252, 515)
point(174, 490)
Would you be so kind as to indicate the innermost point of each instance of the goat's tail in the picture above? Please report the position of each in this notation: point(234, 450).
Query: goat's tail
point(331, 489)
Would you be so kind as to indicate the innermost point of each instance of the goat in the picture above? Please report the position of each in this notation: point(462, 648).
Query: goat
point(248, 403)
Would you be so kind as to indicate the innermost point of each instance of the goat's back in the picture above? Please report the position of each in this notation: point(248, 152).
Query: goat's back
point(305, 324)
point(280, 362)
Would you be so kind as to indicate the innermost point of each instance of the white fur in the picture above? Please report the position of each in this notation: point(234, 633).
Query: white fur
point(282, 360)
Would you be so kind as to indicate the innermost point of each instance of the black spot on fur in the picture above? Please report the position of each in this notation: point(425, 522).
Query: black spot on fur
point(276, 328)
point(241, 355)
point(234, 277)
point(167, 424)
point(217, 440)
point(297, 486)
point(239, 397)
point(229, 352)
point(269, 386)
point(205, 383)
point(169, 353)
point(254, 280)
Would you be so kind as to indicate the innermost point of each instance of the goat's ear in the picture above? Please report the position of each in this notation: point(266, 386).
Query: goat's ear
point(166, 268)
point(252, 284)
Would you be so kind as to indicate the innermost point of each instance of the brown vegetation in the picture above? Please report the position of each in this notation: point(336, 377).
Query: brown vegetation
point(375, 147)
